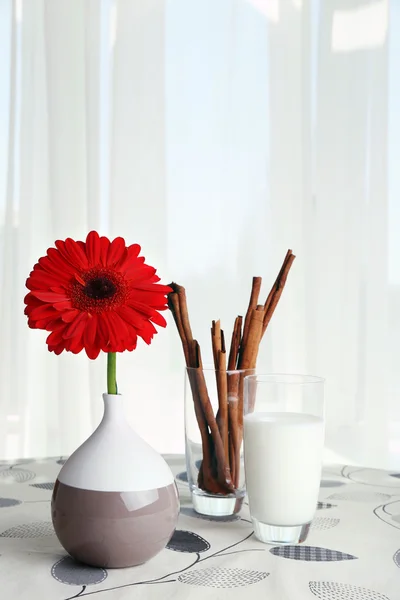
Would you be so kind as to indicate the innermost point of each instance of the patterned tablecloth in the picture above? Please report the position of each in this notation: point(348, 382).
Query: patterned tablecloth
point(352, 553)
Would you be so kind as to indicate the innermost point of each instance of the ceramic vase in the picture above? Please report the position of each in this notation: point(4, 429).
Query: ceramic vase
point(115, 502)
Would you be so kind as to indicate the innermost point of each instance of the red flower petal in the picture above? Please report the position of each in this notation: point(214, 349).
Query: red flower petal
point(115, 251)
point(92, 352)
point(40, 280)
point(133, 250)
point(119, 326)
point(63, 253)
point(90, 331)
point(147, 332)
point(78, 256)
point(74, 345)
point(55, 263)
point(55, 338)
point(153, 287)
point(137, 274)
point(130, 316)
point(159, 302)
point(104, 334)
point(158, 319)
point(93, 248)
point(132, 253)
point(49, 325)
point(69, 315)
point(44, 311)
point(149, 312)
point(49, 296)
point(77, 327)
point(154, 279)
point(113, 341)
point(104, 246)
point(57, 349)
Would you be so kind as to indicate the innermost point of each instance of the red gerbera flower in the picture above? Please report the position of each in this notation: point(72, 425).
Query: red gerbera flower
point(97, 295)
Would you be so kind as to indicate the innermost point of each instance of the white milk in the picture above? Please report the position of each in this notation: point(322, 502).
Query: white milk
point(283, 455)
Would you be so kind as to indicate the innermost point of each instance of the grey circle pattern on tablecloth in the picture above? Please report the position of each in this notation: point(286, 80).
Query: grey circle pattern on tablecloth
point(323, 505)
point(29, 530)
point(16, 475)
point(371, 477)
point(222, 578)
point(395, 475)
point(360, 496)
point(182, 477)
point(61, 461)
point(396, 518)
point(7, 502)
point(327, 483)
point(396, 558)
point(187, 541)
point(323, 523)
point(331, 590)
point(17, 463)
point(43, 486)
point(310, 553)
point(190, 512)
point(68, 571)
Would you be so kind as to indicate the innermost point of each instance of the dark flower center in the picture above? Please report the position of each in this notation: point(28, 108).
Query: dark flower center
point(100, 288)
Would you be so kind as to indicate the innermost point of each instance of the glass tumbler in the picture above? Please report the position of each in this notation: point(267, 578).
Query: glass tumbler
point(213, 440)
point(283, 446)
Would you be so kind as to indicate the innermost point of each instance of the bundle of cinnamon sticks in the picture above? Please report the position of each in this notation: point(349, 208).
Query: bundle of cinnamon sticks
point(222, 433)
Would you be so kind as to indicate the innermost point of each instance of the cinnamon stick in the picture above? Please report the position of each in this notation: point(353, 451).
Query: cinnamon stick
point(250, 350)
point(247, 363)
point(233, 387)
point(223, 474)
point(235, 344)
point(173, 304)
point(255, 292)
point(184, 317)
point(206, 479)
point(277, 289)
point(234, 436)
point(268, 300)
point(222, 387)
point(232, 460)
point(216, 341)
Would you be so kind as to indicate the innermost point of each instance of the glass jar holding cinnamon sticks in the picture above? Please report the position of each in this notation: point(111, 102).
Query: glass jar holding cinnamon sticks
point(214, 397)
point(213, 436)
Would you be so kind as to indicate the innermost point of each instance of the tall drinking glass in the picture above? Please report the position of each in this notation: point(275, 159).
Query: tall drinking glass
point(283, 445)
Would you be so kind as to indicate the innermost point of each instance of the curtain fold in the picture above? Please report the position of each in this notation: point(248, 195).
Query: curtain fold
point(217, 135)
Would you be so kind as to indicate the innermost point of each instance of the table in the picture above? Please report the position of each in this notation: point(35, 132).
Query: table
point(352, 553)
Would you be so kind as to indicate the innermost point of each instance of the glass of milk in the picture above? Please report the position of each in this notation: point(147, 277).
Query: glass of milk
point(283, 445)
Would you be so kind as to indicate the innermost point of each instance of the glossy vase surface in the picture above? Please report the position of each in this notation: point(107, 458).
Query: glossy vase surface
point(115, 502)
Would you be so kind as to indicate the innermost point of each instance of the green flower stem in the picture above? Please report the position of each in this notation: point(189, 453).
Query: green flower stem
point(112, 373)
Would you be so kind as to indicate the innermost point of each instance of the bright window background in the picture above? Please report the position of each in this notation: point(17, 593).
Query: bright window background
point(217, 135)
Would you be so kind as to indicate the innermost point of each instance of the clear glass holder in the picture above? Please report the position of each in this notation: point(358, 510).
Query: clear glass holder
point(214, 440)
point(217, 505)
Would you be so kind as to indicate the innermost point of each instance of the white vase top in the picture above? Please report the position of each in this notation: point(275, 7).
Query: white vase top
point(115, 458)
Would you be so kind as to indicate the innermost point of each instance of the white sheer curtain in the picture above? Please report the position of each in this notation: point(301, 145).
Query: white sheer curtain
point(216, 135)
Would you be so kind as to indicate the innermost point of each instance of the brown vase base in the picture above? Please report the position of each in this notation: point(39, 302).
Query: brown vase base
point(114, 529)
